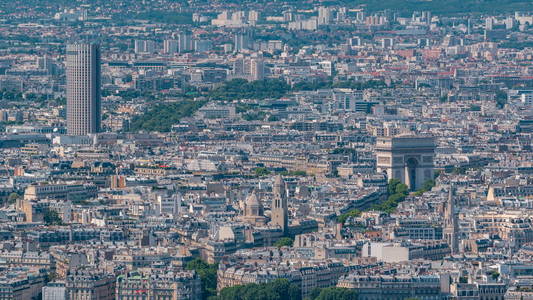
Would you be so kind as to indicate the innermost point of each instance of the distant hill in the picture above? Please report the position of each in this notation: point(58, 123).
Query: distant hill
point(441, 7)
point(447, 6)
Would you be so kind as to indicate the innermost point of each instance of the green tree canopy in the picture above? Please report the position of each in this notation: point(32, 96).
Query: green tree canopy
point(279, 289)
point(397, 192)
point(51, 217)
point(501, 98)
point(284, 241)
point(402, 189)
point(352, 213)
point(237, 89)
point(162, 116)
point(392, 185)
point(261, 171)
point(208, 275)
point(333, 293)
point(12, 198)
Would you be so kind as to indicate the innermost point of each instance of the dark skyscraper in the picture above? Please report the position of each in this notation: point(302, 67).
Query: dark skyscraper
point(83, 89)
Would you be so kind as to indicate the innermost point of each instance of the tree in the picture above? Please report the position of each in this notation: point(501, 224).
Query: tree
point(354, 213)
point(397, 192)
point(208, 275)
point(254, 116)
point(294, 173)
point(402, 189)
point(262, 171)
point(494, 274)
point(501, 98)
point(162, 116)
point(392, 185)
point(459, 170)
point(474, 107)
point(51, 217)
point(237, 89)
point(333, 293)
point(284, 241)
point(12, 198)
point(279, 289)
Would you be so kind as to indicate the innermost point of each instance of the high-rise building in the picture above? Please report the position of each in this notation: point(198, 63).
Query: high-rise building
point(47, 64)
point(239, 67)
point(253, 16)
point(83, 89)
point(170, 46)
point(324, 15)
point(144, 46)
point(355, 41)
point(257, 69)
point(203, 45)
point(509, 23)
point(185, 42)
point(387, 43)
point(341, 14)
point(279, 213)
point(242, 41)
point(249, 68)
point(489, 23)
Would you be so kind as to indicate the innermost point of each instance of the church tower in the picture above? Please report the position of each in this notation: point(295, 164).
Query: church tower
point(450, 222)
point(279, 214)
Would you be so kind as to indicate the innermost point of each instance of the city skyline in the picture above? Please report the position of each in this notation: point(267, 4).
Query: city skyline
point(266, 150)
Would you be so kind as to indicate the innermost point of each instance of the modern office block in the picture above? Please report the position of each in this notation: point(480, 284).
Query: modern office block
point(83, 89)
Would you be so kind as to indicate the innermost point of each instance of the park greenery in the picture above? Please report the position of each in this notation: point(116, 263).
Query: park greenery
point(354, 213)
point(344, 151)
point(426, 186)
point(494, 274)
point(254, 116)
point(128, 95)
point(451, 7)
point(474, 107)
point(162, 116)
point(284, 242)
point(51, 217)
point(518, 45)
point(169, 17)
point(332, 293)
point(279, 289)
point(10, 95)
point(397, 192)
point(244, 107)
point(501, 99)
point(261, 171)
point(346, 84)
point(297, 173)
point(12, 198)
point(208, 275)
point(282, 289)
point(237, 89)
